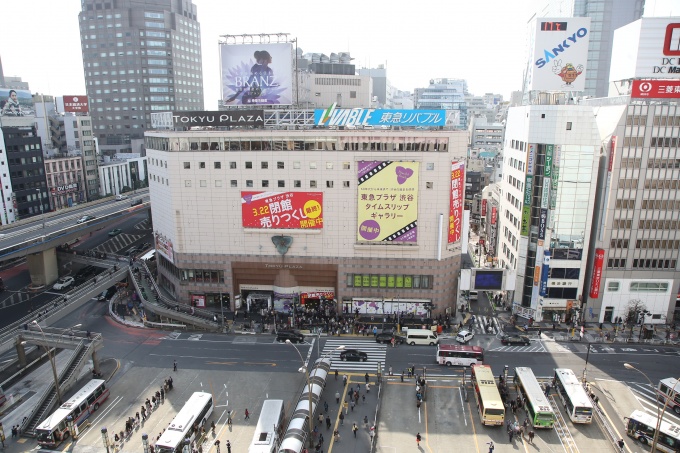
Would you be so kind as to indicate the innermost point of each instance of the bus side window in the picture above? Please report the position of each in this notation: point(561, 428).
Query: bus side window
point(90, 400)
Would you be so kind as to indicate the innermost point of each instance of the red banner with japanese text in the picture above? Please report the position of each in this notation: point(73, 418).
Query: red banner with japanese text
point(288, 210)
point(596, 280)
point(457, 201)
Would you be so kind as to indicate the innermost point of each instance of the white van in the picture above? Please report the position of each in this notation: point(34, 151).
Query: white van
point(473, 295)
point(421, 336)
point(121, 197)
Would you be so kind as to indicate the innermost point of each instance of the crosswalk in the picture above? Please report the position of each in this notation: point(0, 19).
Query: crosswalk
point(376, 354)
point(535, 346)
point(118, 243)
point(486, 324)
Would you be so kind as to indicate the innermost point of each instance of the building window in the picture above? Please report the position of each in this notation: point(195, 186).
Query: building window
point(249, 165)
point(233, 183)
point(264, 165)
point(204, 183)
point(352, 94)
point(265, 183)
point(297, 183)
point(345, 184)
point(613, 287)
point(312, 184)
point(232, 165)
point(429, 166)
point(249, 183)
point(201, 165)
point(329, 184)
point(187, 165)
point(281, 183)
point(280, 165)
point(218, 183)
point(429, 185)
point(217, 165)
point(312, 165)
point(329, 165)
point(648, 287)
point(187, 183)
point(296, 165)
point(568, 125)
point(346, 166)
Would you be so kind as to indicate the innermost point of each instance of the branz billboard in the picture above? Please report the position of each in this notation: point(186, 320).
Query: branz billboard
point(257, 74)
point(560, 54)
point(387, 202)
point(288, 210)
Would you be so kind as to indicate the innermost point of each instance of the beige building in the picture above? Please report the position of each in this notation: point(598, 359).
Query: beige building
point(219, 201)
point(65, 181)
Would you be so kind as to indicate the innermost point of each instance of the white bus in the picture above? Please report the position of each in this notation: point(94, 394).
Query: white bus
point(642, 426)
point(54, 429)
point(573, 395)
point(668, 389)
point(538, 407)
point(186, 424)
point(489, 402)
point(460, 355)
point(269, 429)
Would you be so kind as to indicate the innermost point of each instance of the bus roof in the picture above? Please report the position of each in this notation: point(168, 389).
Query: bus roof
point(67, 407)
point(667, 427)
point(148, 255)
point(670, 383)
point(460, 347)
point(483, 377)
point(567, 376)
point(534, 392)
point(184, 419)
point(267, 424)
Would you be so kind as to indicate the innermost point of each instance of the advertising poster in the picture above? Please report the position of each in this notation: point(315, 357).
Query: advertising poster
point(290, 210)
point(526, 220)
point(457, 201)
point(555, 176)
point(333, 116)
point(387, 201)
point(76, 104)
point(16, 102)
point(655, 89)
point(164, 246)
point(543, 291)
point(257, 74)
point(198, 300)
point(560, 54)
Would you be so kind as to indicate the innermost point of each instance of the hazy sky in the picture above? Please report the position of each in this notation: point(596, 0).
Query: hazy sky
point(482, 41)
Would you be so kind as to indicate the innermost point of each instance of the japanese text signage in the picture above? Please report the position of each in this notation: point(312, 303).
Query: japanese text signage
point(531, 158)
point(597, 274)
point(333, 116)
point(387, 201)
point(288, 210)
point(526, 220)
point(545, 271)
point(484, 207)
point(457, 201)
point(494, 215)
point(73, 187)
point(76, 104)
point(547, 168)
point(542, 224)
point(655, 89)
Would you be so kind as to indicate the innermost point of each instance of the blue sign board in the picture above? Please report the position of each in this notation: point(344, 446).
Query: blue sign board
point(543, 288)
point(334, 116)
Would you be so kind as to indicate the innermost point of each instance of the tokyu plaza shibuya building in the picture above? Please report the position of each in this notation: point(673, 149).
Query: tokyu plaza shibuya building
point(367, 220)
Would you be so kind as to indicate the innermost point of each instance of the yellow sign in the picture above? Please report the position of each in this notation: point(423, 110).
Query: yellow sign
point(387, 201)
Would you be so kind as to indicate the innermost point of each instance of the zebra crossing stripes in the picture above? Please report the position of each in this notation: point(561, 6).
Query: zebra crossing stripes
point(486, 324)
point(118, 243)
point(376, 354)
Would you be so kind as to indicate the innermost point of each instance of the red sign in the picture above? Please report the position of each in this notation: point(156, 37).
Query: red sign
point(655, 89)
point(289, 210)
point(597, 274)
point(484, 207)
point(198, 300)
point(612, 152)
point(76, 104)
point(457, 201)
point(670, 43)
point(494, 215)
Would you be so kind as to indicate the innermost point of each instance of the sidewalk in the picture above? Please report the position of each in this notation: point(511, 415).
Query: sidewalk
point(366, 407)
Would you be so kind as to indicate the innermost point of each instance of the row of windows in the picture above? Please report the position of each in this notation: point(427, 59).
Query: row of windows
point(641, 287)
point(661, 204)
point(665, 142)
point(265, 183)
point(659, 244)
point(201, 276)
point(389, 281)
point(337, 81)
point(662, 184)
point(517, 164)
point(658, 224)
point(620, 263)
point(666, 120)
point(280, 165)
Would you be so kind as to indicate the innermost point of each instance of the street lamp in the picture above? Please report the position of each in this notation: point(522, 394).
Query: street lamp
point(54, 366)
point(105, 439)
point(303, 369)
point(628, 366)
point(41, 207)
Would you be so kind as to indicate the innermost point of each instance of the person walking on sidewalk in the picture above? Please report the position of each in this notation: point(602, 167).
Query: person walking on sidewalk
point(491, 446)
point(355, 428)
point(328, 422)
point(342, 418)
point(418, 439)
point(174, 365)
point(247, 415)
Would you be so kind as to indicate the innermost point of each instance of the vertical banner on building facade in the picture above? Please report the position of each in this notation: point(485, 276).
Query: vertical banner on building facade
point(531, 158)
point(555, 175)
point(545, 272)
point(542, 225)
point(493, 231)
point(597, 274)
point(538, 265)
point(545, 193)
point(484, 207)
point(608, 183)
point(547, 168)
point(457, 201)
point(387, 201)
point(526, 208)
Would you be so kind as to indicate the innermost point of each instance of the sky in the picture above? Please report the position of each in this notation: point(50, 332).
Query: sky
point(482, 41)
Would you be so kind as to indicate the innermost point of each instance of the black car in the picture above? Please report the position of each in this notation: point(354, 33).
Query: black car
point(386, 337)
point(293, 335)
point(353, 355)
point(515, 339)
point(86, 272)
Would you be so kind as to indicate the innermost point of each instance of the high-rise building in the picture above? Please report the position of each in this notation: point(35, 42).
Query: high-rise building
point(445, 94)
point(139, 57)
point(605, 17)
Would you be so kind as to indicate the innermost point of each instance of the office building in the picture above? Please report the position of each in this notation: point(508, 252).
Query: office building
point(445, 94)
point(139, 57)
point(122, 175)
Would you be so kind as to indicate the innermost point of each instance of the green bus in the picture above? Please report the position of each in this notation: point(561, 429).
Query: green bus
point(540, 412)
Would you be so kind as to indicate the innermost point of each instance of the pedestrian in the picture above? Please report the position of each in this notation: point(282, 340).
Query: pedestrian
point(366, 377)
point(547, 389)
point(174, 365)
point(344, 380)
point(342, 418)
point(621, 444)
point(325, 406)
point(351, 405)
point(402, 375)
point(418, 404)
point(371, 432)
point(368, 387)
point(363, 398)
point(162, 394)
point(336, 436)
point(531, 436)
point(328, 422)
point(390, 371)
point(512, 406)
point(511, 433)
point(355, 428)
point(365, 421)
point(228, 446)
point(337, 398)
point(320, 439)
point(247, 415)
point(491, 446)
point(336, 375)
point(418, 439)
point(320, 419)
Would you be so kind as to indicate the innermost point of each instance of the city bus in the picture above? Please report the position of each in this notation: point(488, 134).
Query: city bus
point(667, 390)
point(269, 429)
point(54, 429)
point(186, 424)
point(538, 407)
point(573, 395)
point(641, 426)
point(461, 355)
point(489, 403)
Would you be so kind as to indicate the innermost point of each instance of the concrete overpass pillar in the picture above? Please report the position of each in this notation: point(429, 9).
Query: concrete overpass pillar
point(43, 267)
point(21, 351)
point(95, 361)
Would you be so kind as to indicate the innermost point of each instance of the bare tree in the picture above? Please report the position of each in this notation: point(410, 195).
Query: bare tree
point(635, 309)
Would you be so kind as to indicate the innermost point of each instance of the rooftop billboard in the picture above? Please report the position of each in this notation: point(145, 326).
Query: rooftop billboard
point(76, 104)
point(257, 74)
point(333, 116)
point(16, 102)
point(560, 54)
